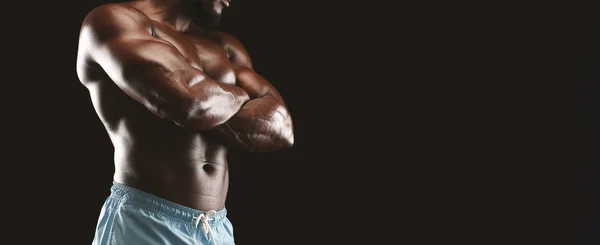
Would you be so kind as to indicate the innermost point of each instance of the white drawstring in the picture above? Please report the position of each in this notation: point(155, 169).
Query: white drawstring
point(205, 226)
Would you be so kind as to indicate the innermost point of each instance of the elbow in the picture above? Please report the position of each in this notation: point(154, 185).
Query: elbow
point(288, 142)
point(281, 137)
point(277, 138)
point(287, 139)
point(289, 130)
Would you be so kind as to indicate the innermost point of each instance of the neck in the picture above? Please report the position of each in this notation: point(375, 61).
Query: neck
point(170, 12)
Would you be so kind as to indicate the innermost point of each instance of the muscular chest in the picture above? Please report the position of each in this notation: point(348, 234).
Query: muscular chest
point(202, 51)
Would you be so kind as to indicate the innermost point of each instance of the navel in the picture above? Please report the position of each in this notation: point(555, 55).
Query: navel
point(152, 31)
point(209, 168)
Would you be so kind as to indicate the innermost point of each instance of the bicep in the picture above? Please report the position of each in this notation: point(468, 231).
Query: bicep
point(148, 69)
point(143, 64)
point(151, 72)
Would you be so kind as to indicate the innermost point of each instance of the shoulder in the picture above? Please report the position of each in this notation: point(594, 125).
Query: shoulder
point(114, 11)
point(108, 19)
point(105, 23)
point(238, 54)
point(228, 40)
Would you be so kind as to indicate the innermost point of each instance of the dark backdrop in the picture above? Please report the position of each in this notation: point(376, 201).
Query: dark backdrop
point(587, 91)
point(415, 122)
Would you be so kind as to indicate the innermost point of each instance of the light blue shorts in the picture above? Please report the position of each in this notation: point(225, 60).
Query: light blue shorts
point(134, 217)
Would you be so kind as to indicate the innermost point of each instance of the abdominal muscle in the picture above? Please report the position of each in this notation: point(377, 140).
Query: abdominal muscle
point(190, 177)
point(157, 156)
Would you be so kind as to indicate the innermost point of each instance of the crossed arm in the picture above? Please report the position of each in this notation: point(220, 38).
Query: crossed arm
point(263, 123)
point(251, 115)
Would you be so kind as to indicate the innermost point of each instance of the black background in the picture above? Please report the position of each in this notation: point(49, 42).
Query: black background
point(415, 124)
point(588, 119)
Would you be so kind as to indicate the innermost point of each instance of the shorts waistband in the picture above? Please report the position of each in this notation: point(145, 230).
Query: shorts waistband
point(150, 202)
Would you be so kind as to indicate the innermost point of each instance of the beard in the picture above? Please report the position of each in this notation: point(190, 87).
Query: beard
point(204, 16)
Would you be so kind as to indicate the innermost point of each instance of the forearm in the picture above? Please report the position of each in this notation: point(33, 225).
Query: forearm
point(262, 125)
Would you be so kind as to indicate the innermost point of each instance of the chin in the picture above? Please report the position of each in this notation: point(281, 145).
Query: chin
point(207, 17)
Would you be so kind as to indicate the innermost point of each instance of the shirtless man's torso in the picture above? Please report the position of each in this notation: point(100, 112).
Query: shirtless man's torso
point(174, 97)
